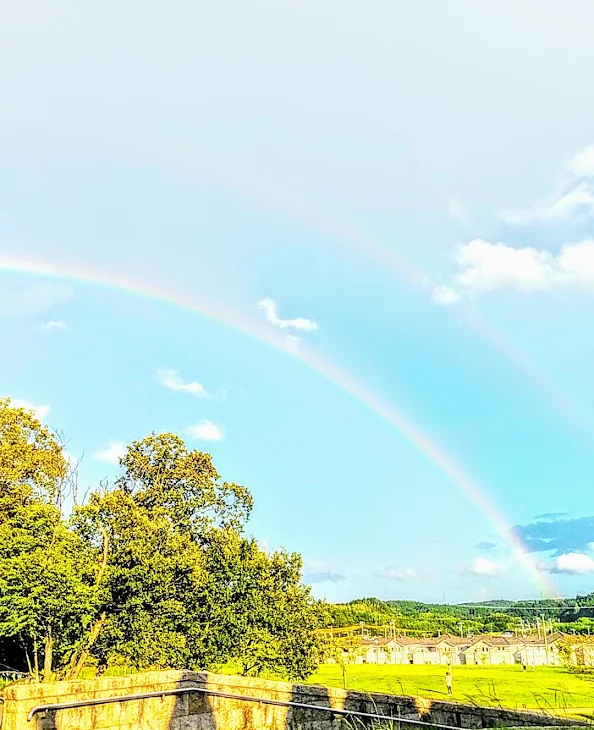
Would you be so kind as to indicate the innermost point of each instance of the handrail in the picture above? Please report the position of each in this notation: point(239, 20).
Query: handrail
point(214, 693)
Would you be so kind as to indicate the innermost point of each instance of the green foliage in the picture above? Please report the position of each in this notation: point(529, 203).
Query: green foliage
point(162, 474)
point(46, 594)
point(569, 615)
point(269, 617)
point(45, 582)
point(31, 459)
point(152, 572)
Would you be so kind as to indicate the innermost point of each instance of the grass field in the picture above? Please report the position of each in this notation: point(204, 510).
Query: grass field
point(545, 688)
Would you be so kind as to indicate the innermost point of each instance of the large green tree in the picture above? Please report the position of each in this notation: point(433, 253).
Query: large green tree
point(152, 571)
point(31, 459)
point(268, 618)
point(46, 577)
point(183, 586)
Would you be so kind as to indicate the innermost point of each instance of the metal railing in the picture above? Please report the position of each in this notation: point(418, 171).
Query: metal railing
point(226, 695)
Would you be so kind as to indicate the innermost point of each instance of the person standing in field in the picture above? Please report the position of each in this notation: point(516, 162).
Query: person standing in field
point(448, 680)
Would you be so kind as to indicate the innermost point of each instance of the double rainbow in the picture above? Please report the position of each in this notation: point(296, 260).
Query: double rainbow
point(340, 377)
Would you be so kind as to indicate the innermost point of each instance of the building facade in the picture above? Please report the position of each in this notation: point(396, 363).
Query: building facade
point(531, 651)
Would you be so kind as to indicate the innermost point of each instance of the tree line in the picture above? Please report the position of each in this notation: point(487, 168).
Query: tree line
point(574, 615)
point(153, 570)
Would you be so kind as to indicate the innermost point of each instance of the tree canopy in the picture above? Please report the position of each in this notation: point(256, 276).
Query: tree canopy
point(152, 571)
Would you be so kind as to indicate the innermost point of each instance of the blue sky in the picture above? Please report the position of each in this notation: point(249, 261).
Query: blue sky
point(414, 179)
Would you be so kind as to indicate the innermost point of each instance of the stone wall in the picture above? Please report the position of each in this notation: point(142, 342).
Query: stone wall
point(199, 712)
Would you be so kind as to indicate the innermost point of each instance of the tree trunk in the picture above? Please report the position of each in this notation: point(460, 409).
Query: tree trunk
point(48, 656)
point(80, 657)
point(36, 660)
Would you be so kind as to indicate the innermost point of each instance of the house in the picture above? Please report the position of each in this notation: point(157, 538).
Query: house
point(536, 651)
point(552, 650)
point(486, 649)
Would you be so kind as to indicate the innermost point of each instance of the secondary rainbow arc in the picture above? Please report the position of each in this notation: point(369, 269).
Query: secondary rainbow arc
point(340, 377)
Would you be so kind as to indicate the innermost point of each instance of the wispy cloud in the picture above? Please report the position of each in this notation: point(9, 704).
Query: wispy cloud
point(112, 453)
point(485, 267)
point(573, 195)
point(40, 412)
point(321, 572)
point(457, 211)
point(483, 567)
point(270, 309)
point(53, 326)
point(171, 379)
point(399, 573)
point(551, 516)
point(206, 431)
point(444, 296)
point(486, 546)
point(33, 300)
point(73, 461)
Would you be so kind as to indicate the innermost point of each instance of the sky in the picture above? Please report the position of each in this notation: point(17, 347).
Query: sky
point(345, 248)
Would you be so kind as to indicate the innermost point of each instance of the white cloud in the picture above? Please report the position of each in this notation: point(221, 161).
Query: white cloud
point(582, 163)
point(206, 431)
point(113, 453)
point(573, 563)
point(53, 326)
point(40, 412)
point(270, 308)
point(485, 267)
point(444, 296)
point(483, 567)
point(457, 210)
point(573, 194)
point(171, 379)
point(394, 572)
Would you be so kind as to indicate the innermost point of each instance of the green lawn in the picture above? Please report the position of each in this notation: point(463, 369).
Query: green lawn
point(545, 688)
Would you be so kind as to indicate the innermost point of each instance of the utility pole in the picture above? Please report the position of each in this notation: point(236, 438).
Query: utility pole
point(544, 636)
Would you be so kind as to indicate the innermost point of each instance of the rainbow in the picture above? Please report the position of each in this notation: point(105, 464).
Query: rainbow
point(155, 153)
point(314, 361)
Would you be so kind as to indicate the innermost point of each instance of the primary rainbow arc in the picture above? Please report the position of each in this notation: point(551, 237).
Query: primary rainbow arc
point(445, 463)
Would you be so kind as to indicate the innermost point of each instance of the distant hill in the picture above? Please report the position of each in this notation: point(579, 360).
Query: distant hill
point(569, 614)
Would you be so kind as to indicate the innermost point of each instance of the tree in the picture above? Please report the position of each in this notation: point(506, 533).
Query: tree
point(32, 462)
point(183, 586)
point(151, 572)
point(262, 617)
point(45, 583)
point(161, 473)
point(45, 578)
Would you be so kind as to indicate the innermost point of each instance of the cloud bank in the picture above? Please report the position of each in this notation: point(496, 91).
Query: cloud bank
point(485, 267)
